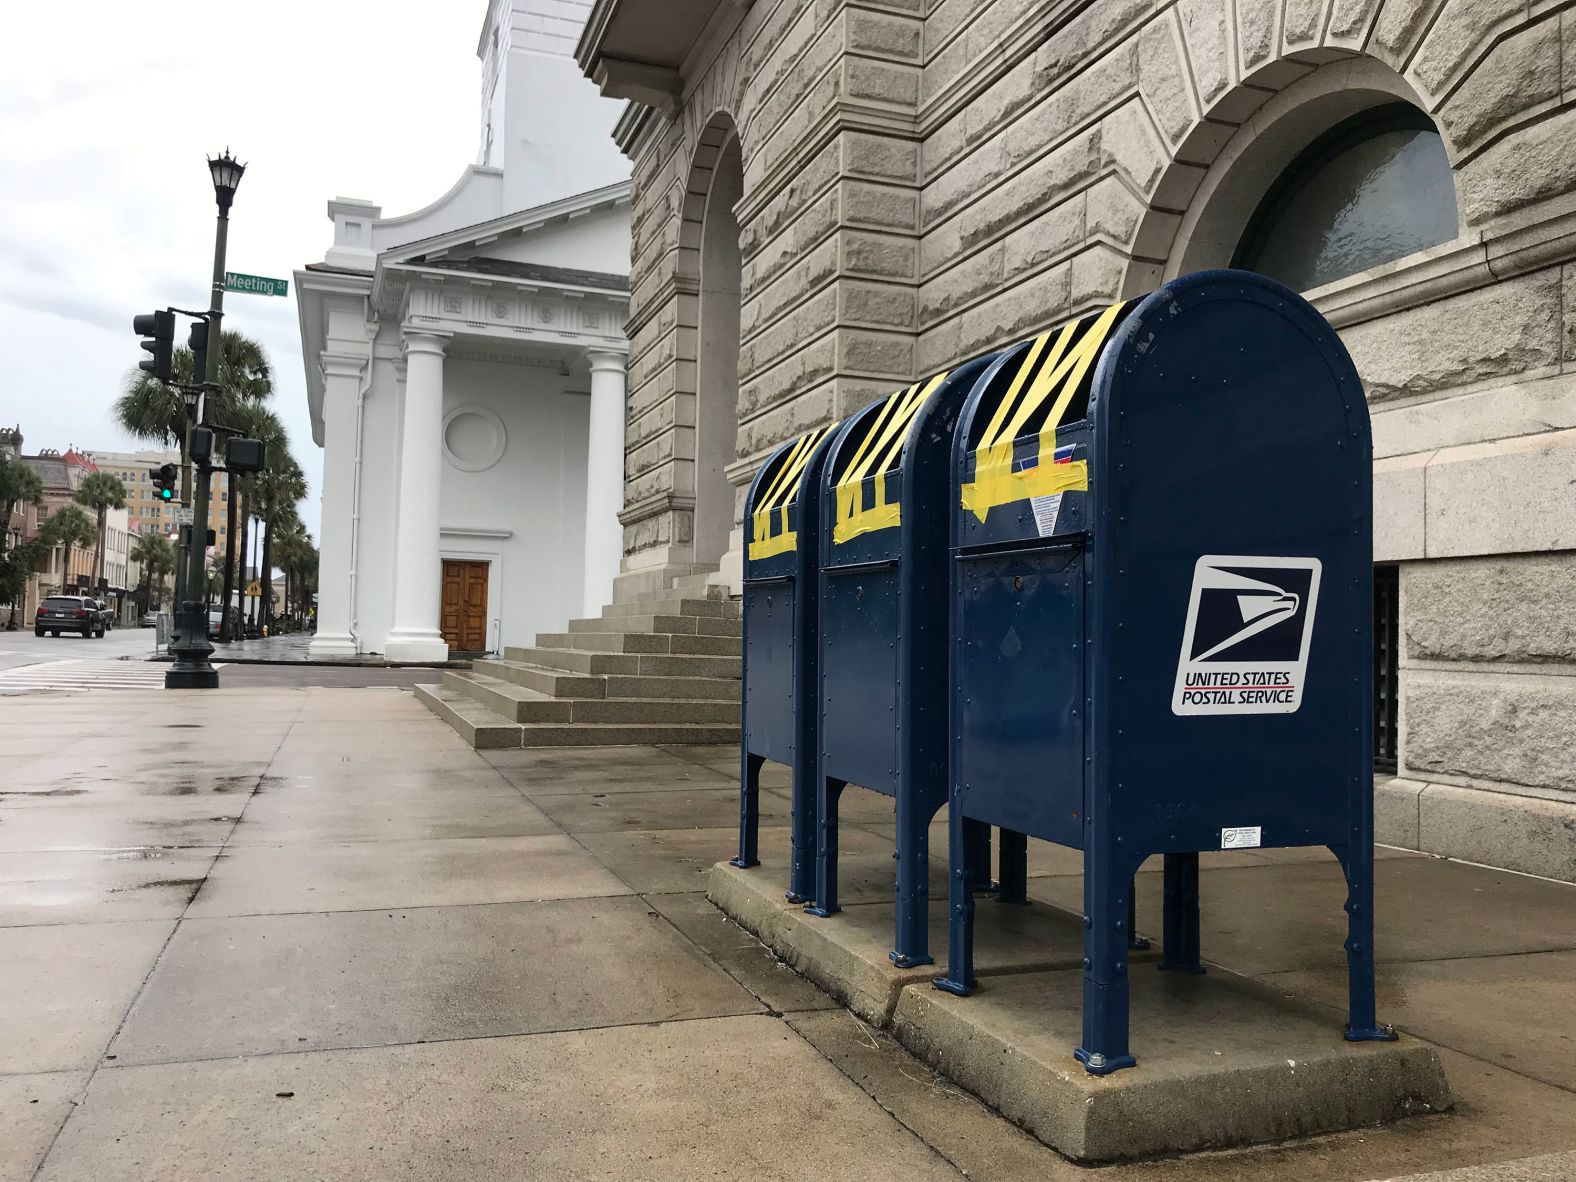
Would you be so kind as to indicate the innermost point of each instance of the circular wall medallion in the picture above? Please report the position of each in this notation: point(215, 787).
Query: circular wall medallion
point(473, 438)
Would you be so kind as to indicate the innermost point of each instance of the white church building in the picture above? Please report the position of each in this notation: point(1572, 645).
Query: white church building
point(465, 370)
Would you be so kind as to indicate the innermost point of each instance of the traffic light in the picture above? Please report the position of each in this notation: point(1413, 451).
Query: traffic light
point(197, 342)
point(164, 478)
point(158, 332)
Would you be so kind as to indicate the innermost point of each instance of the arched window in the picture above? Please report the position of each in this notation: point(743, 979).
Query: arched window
point(1372, 189)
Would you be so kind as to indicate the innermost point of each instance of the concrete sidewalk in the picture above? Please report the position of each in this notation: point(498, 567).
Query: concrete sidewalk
point(345, 945)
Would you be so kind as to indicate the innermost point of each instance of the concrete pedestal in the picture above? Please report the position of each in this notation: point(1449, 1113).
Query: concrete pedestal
point(1222, 1061)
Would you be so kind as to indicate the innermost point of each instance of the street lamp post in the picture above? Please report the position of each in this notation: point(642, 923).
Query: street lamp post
point(192, 669)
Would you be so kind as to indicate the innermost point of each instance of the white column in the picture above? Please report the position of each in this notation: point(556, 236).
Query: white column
point(604, 478)
point(342, 376)
point(418, 571)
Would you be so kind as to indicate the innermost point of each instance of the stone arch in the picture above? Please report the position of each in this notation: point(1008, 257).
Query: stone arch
point(1221, 173)
point(710, 276)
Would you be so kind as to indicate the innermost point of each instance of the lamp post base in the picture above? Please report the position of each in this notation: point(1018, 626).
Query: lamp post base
point(191, 650)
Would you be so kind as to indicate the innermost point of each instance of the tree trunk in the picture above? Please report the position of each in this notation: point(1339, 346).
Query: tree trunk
point(98, 566)
point(229, 557)
point(267, 574)
point(240, 575)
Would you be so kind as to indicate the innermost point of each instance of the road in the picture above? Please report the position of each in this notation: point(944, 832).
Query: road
point(32, 664)
point(23, 648)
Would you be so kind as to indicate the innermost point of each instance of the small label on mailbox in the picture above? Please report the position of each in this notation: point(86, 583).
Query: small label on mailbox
point(1245, 643)
point(1242, 837)
point(1046, 510)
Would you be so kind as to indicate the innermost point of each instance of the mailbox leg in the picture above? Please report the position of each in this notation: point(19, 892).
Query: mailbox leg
point(1108, 884)
point(1135, 942)
point(1180, 950)
point(829, 792)
point(976, 850)
point(1013, 872)
point(1362, 1022)
point(749, 810)
point(959, 977)
point(913, 882)
point(801, 867)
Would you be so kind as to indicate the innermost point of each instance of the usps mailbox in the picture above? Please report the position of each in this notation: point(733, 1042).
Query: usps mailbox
point(1161, 612)
point(883, 620)
point(782, 521)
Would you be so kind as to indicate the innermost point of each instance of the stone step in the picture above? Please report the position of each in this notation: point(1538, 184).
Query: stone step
point(716, 689)
point(687, 587)
point(595, 734)
point(641, 642)
point(671, 625)
point(607, 642)
point(473, 722)
point(514, 703)
point(573, 660)
point(518, 704)
point(484, 730)
point(674, 606)
point(555, 683)
point(698, 582)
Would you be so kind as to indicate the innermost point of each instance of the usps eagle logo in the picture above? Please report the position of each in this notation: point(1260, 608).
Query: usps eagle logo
point(1245, 642)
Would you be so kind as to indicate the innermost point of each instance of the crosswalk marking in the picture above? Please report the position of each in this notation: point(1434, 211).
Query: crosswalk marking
point(83, 675)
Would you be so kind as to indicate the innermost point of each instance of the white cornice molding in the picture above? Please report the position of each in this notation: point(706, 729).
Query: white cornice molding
point(520, 222)
point(475, 531)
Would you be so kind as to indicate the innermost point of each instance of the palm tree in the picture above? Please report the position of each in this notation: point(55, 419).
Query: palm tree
point(278, 488)
point(157, 558)
point(100, 492)
point(16, 568)
point(255, 421)
point(151, 410)
point(295, 554)
point(19, 485)
point(68, 527)
point(148, 409)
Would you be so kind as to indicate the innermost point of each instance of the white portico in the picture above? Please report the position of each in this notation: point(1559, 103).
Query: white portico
point(466, 376)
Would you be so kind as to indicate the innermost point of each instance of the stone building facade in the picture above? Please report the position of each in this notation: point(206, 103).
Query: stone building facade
point(845, 195)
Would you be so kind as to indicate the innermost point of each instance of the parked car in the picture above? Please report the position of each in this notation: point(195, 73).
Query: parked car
point(69, 613)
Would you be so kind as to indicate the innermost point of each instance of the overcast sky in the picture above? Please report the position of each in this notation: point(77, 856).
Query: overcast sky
point(107, 110)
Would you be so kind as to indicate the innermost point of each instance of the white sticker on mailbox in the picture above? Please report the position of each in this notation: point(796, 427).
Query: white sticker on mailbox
point(1245, 644)
point(1243, 837)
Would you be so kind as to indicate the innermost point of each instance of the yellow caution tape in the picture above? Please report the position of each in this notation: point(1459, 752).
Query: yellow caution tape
point(1062, 369)
point(782, 492)
point(878, 453)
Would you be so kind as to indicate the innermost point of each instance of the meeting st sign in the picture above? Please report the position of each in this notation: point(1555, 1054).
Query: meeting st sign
point(255, 284)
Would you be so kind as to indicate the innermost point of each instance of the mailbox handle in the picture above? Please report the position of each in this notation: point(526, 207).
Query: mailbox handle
point(1021, 546)
point(861, 568)
point(769, 581)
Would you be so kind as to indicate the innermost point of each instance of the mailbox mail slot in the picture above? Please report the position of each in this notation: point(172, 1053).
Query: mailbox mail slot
point(883, 616)
point(782, 522)
point(1161, 592)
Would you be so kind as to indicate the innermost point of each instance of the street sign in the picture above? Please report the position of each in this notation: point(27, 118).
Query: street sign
point(183, 514)
point(255, 284)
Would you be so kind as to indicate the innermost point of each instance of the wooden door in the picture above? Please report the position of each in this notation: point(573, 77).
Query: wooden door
point(464, 612)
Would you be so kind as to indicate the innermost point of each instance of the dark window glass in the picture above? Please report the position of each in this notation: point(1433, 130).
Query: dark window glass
point(1373, 189)
point(1387, 664)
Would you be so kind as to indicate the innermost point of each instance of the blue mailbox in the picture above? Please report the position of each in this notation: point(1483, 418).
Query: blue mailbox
point(782, 522)
point(1161, 613)
point(885, 491)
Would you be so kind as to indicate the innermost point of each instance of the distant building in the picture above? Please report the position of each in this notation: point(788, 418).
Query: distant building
point(465, 369)
point(145, 512)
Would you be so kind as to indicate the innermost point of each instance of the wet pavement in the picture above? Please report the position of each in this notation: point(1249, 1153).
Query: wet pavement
point(280, 933)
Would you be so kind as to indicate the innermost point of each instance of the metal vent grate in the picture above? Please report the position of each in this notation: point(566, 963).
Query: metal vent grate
point(1387, 660)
